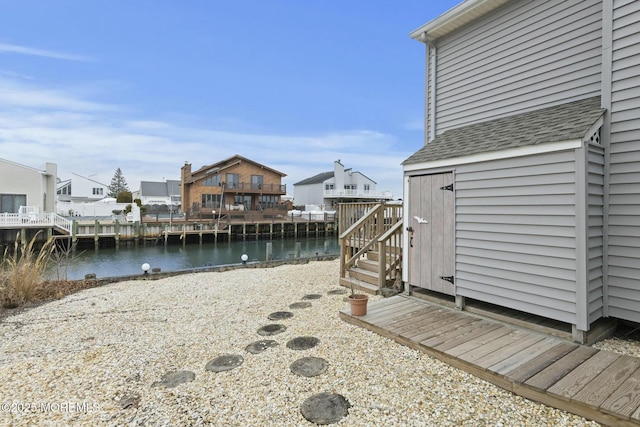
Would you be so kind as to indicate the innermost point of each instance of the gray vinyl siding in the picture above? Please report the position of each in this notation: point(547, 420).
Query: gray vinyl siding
point(624, 184)
point(524, 56)
point(516, 234)
point(595, 239)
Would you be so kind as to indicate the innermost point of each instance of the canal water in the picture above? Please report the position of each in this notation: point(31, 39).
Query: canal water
point(110, 262)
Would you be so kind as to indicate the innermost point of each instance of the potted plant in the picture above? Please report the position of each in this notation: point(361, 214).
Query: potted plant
point(357, 300)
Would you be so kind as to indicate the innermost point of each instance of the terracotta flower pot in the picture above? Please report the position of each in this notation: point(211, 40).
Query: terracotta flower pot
point(358, 304)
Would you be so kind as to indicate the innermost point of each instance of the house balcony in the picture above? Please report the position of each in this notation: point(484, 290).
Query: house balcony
point(249, 187)
point(357, 194)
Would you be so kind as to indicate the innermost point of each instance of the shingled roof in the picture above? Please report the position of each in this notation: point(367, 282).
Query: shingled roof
point(564, 122)
point(316, 179)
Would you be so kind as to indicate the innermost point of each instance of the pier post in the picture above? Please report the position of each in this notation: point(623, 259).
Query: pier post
point(117, 233)
point(136, 232)
point(244, 230)
point(166, 233)
point(144, 235)
point(269, 251)
point(96, 234)
point(184, 234)
point(74, 235)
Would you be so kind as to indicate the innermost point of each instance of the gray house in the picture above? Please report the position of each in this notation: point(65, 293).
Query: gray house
point(526, 193)
point(165, 193)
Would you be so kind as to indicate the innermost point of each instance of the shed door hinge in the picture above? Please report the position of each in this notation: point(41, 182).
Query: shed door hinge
point(447, 187)
point(447, 278)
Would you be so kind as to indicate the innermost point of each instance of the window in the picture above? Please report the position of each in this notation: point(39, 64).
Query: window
point(211, 200)
point(256, 182)
point(98, 191)
point(366, 187)
point(350, 186)
point(66, 190)
point(212, 181)
point(328, 186)
point(11, 203)
point(241, 199)
point(267, 201)
point(233, 180)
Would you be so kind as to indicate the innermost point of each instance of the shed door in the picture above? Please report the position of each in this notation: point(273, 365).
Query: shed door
point(431, 232)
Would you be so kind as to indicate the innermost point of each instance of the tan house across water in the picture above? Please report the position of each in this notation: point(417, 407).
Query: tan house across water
point(233, 184)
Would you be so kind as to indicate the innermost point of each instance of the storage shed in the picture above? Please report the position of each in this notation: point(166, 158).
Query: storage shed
point(526, 193)
point(510, 211)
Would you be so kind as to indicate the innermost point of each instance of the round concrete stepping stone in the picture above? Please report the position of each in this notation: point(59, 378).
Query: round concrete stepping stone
point(279, 315)
point(260, 346)
point(325, 408)
point(225, 362)
point(273, 329)
point(303, 343)
point(309, 366)
point(340, 291)
point(174, 379)
point(312, 296)
point(129, 401)
point(304, 304)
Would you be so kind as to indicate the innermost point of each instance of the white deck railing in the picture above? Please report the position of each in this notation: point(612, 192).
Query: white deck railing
point(387, 195)
point(32, 219)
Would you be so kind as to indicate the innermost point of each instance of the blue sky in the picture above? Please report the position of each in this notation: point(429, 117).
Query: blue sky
point(148, 85)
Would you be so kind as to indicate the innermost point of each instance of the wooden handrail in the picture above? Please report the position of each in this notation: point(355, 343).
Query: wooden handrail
point(381, 223)
point(355, 226)
point(395, 255)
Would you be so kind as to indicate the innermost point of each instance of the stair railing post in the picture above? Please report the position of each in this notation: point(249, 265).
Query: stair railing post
point(382, 264)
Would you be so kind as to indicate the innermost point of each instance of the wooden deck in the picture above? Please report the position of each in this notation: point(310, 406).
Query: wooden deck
point(599, 385)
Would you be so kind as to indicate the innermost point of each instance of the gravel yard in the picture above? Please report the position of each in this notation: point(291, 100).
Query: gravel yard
point(98, 357)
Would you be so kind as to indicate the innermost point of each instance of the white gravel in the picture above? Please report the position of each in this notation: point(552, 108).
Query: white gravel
point(79, 360)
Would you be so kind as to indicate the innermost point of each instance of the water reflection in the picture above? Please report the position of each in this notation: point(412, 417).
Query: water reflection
point(110, 262)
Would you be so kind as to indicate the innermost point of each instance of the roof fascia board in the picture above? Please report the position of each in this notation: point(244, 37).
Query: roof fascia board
point(497, 155)
point(454, 18)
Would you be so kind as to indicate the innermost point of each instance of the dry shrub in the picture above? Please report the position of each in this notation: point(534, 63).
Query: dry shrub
point(22, 271)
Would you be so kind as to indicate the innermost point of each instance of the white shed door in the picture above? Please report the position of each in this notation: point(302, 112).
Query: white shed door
point(431, 225)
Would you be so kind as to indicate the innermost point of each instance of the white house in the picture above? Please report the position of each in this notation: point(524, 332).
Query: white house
point(22, 185)
point(327, 189)
point(81, 189)
point(159, 193)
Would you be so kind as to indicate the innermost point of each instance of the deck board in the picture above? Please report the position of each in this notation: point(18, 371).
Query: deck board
point(599, 385)
point(554, 372)
point(526, 370)
point(577, 379)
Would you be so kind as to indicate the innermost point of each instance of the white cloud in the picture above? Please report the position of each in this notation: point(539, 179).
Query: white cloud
point(90, 138)
point(14, 94)
point(25, 50)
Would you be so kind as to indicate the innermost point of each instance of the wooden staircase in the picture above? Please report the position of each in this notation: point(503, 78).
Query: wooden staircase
point(364, 275)
point(371, 249)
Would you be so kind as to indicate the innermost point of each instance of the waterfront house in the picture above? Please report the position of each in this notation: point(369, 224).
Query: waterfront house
point(22, 185)
point(81, 189)
point(233, 184)
point(166, 193)
point(526, 193)
point(328, 189)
